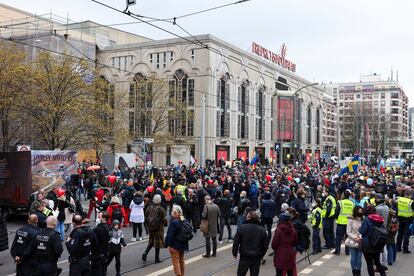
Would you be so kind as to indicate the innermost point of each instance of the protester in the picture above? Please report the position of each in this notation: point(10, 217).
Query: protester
point(115, 210)
point(251, 241)
point(354, 240)
point(211, 213)
point(137, 216)
point(243, 204)
point(114, 247)
point(103, 234)
point(283, 243)
point(267, 213)
point(175, 244)
point(225, 203)
point(155, 217)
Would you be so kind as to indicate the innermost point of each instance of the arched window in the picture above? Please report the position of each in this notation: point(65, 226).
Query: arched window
point(260, 113)
point(243, 108)
point(223, 106)
point(317, 129)
point(140, 107)
point(309, 125)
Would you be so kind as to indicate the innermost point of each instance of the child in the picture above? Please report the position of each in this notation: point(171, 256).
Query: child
point(115, 246)
point(316, 221)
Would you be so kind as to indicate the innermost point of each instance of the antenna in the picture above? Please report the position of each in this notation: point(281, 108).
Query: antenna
point(397, 76)
point(392, 74)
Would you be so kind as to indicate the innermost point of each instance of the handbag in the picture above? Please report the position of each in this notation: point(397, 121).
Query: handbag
point(204, 225)
point(352, 243)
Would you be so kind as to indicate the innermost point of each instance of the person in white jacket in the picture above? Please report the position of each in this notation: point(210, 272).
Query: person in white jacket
point(354, 239)
point(137, 215)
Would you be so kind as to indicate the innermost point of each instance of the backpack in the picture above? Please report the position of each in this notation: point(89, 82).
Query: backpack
point(117, 214)
point(303, 233)
point(186, 232)
point(377, 237)
point(153, 220)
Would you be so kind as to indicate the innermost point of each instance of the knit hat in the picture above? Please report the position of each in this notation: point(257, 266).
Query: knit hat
point(115, 222)
point(284, 217)
point(156, 199)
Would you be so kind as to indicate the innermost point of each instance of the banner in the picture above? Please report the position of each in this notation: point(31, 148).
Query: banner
point(50, 168)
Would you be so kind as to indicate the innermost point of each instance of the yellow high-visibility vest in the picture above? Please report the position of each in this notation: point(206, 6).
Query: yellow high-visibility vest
point(404, 207)
point(313, 217)
point(346, 209)
point(332, 199)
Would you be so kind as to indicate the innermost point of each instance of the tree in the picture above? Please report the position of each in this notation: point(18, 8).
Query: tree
point(13, 81)
point(365, 130)
point(66, 103)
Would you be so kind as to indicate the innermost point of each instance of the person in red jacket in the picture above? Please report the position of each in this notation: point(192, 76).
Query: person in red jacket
point(115, 210)
point(283, 243)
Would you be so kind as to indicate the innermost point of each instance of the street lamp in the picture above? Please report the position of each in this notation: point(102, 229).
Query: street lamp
point(293, 119)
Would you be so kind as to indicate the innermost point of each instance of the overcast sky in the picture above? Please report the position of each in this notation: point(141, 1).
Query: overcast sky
point(328, 40)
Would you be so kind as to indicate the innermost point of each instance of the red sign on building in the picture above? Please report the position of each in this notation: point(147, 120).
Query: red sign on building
point(279, 59)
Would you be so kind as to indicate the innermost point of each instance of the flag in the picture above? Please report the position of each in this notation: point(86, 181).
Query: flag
point(351, 167)
point(255, 159)
point(192, 160)
point(152, 177)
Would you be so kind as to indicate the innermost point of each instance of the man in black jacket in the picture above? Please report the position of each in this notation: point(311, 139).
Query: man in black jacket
point(225, 205)
point(251, 242)
point(103, 235)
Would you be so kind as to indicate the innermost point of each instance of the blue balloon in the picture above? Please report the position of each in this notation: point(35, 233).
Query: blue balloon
point(369, 181)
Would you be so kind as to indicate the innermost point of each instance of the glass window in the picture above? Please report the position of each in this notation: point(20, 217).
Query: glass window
point(150, 58)
point(358, 96)
point(171, 56)
point(191, 92)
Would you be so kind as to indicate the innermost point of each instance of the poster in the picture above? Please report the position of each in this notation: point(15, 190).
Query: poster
point(308, 157)
point(50, 168)
point(285, 110)
point(242, 153)
point(222, 152)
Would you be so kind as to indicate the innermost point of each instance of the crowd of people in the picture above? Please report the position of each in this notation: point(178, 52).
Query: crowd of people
point(370, 211)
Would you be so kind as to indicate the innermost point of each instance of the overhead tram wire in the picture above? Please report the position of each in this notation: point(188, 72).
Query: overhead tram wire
point(214, 50)
point(123, 70)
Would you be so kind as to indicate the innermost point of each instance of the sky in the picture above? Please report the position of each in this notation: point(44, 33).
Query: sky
point(328, 40)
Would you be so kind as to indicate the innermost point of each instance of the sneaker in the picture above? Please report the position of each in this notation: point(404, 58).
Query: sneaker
point(140, 238)
point(220, 242)
point(230, 241)
point(133, 239)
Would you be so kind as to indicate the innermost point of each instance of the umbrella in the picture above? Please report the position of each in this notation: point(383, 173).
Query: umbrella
point(93, 168)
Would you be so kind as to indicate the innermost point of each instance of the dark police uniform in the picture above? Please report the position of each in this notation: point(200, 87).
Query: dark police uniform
point(103, 234)
point(82, 243)
point(46, 249)
point(22, 241)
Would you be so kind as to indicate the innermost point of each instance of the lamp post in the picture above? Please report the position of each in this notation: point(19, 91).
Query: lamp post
point(293, 119)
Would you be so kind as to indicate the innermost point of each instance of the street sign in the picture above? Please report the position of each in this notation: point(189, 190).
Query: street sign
point(23, 148)
point(277, 147)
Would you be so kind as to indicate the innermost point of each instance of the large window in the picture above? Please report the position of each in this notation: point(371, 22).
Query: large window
point(223, 106)
point(317, 129)
point(140, 104)
point(260, 113)
point(243, 108)
point(309, 125)
point(181, 102)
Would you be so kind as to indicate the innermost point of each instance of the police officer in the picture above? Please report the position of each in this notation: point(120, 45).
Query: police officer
point(22, 241)
point(103, 234)
point(316, 221)
point(328, 213)
point(344, 208)
point(46, 250)
point(80, 244)
point(405, 217)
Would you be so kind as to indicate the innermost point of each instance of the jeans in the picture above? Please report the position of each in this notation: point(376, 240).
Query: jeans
point(392, 253)
point(60, 227)
point(384, 256)
point(240, 220)
point(316, 240)
point(403, 236)
point(225, 221)
point(340, 233)
point(328, 232)
point(371, 259)
point(356, 258)
point(177, 258)
point(208, 246)
point(249, 263)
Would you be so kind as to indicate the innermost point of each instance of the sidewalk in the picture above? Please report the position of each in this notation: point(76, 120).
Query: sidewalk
point(333, 265)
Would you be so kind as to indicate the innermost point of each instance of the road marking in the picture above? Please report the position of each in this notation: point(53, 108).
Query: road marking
point(318, 263)
point(192, 260)
point(327, 256)
point(306, 271)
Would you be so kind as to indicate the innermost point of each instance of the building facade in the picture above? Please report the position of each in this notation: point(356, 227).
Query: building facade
point(237, 103)
point(372, 116)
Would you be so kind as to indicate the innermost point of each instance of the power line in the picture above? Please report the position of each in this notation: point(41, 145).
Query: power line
point(192, 42)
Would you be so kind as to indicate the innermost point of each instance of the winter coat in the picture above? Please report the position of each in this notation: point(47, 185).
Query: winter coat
point(115, 242)
point(4, 240)
point(127, 196)
point(243, 204)
point(383, 210)
point(367, 226)
point(211, 212)
point(267, 208)
point(224, 204)
point(299, 205)
point(251, 240)
point(156, 238)
point(69, 214)
point(111, 209)
point(137, 210)
point(283, 243)
point(352, 229)
point(173, 230)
